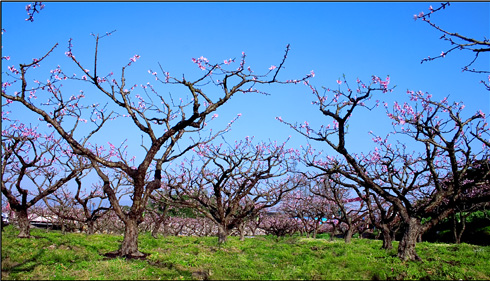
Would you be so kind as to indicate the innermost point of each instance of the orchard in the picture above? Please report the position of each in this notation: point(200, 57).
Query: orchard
point(104, 135)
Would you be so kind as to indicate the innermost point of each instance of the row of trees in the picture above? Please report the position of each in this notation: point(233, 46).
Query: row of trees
point(231, 184)
point(303, 210)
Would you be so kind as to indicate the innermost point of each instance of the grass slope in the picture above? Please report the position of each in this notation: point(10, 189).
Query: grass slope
point(51, 255)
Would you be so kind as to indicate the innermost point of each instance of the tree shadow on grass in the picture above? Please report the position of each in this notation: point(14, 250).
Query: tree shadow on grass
point(180, 270)
point(9, 267)
point(113, 255)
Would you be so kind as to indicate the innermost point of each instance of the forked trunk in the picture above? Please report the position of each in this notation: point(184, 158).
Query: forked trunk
point(457, 234)
point(222, 234)
point(161, 220)
point(406, 248)
point(24, 225)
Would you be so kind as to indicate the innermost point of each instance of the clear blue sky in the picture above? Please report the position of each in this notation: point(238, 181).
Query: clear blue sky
point(355, 39)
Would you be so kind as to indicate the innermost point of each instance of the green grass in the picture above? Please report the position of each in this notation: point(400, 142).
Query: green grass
point(51, 255)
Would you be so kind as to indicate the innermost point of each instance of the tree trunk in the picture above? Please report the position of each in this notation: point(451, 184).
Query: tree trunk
point(241, 229)
point(406, 248)
point(156, 228)
point(387, 241)
point(348, 234)
point(129, 245)
point(24, 224)
point(165, 229)
point(91, 227)
point(315, 231)
point(63, 227)
point(394, 232)
point(222, 234)
point(333, 232)
point(158, 223)
point(458, 234)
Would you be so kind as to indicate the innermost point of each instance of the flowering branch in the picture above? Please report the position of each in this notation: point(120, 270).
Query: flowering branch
point(456, 40)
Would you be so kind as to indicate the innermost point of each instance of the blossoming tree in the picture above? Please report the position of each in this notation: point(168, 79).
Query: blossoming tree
point(414, 182)
point(234, 183)
point(162, 119)
point(32, 159)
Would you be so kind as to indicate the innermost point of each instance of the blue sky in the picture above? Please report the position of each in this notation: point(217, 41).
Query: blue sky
point(355, 39)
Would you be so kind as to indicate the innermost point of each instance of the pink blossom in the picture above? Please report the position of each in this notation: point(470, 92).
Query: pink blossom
point(134, 58)
point(272, 67)
point(13, 69)
point(339, 82)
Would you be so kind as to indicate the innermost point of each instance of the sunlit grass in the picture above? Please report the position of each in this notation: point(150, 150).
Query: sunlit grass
point(51, 255)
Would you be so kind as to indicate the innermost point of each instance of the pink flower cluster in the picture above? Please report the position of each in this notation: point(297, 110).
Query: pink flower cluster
point(201, 62)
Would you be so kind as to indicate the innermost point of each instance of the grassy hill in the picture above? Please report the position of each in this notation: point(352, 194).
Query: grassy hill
point(74, 256)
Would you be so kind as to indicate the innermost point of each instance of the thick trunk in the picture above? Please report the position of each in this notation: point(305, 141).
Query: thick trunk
point(348, 234)
point(222, 234)
point(387, 241)
point(406, 248)
point(24, 225)
point(129, 245)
